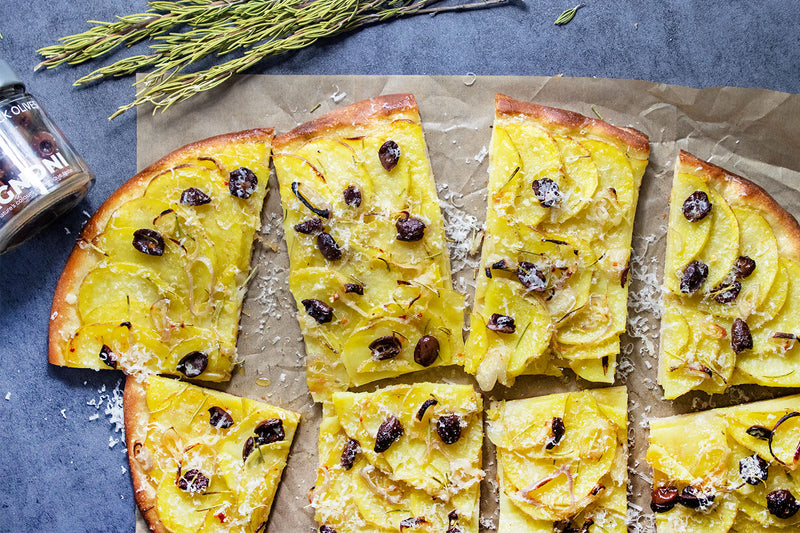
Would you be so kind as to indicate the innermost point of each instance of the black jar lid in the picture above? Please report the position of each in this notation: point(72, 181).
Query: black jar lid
point(8, 78)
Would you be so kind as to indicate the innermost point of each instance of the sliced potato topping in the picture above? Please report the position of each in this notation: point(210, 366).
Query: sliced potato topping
point(168, 271)
point(366, 239)
point(556, 251)
point(405, 453)
point(728, 469)
point(214, 459)
point(562, 459)
point(731, 287)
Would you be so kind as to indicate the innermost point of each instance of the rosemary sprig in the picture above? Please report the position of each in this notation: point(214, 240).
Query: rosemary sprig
point(567, 16)
point(183, 32)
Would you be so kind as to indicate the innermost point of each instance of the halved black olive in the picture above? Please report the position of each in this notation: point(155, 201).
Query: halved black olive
point(242, 183)
point(696, 206)
point(546, 191)
point(743, 267)
point(219, 418)
point(247, 449)
point(531, 276)
point(193, 364)
point(307, 227)
point(410, 229)
point(753, 469)
point(412, 522)
point(108, 357)
point(695, 499)
point(501, 323)
point(693, 276)
point(318, 310)
point(349, 453)
point(193, 481)
point(729, 293)
point(148, 242)
point(449, 428)
point(386, 347)
point(269, 431)
point(426, 351)
point(328, 247)
point(782, 503)
point(194, 196)
point(326, 529)
point(390, 430)
point(557, 430)
point(353, 288)
point(389, 154)
point(741, 339)
point(352, 196)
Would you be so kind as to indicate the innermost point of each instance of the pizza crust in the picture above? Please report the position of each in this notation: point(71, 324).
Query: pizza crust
point(137, 416)
point(633, 142)
point(741, 190)
point(349, 120)
point(64, 319)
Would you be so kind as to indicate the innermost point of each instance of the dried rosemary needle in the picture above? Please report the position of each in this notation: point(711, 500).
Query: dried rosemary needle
point(183, 32)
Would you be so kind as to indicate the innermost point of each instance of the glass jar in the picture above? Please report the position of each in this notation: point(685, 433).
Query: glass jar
point(41, 175)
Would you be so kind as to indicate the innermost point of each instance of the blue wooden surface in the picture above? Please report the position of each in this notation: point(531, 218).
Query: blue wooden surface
point(58, 472)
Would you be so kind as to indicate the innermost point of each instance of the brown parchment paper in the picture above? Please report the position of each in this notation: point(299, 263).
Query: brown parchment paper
point(755, 133)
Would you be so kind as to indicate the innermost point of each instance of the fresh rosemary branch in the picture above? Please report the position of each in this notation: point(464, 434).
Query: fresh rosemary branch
point(183, 32)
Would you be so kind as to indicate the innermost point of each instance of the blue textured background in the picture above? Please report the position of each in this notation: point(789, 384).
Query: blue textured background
point(58, 472)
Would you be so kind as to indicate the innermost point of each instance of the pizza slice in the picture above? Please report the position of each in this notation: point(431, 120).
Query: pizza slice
point(203, 460)
point(553, 285)
point(369, 267)
point(156, 281)
point(562, 461)
point(407, 458)
point(732, 285)
point(728, 469)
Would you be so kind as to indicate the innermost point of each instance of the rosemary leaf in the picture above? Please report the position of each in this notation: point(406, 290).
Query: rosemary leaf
point(182, 32)
point(568, 15)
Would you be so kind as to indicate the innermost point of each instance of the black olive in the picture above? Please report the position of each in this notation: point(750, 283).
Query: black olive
point(108, 357)
point(743, 267)
point(352, 196)
point(729, 293)
point(391, 429)
point(307, 227)
point(782, 503)
point(696, 206)
point(759, 432)
point(220, 418)
point(242, 183)
point(741, 339)
point(753, 469)
point(193, 481)
point(328, 247)
point(269, 431)
point(194, 196)
point(449, 428)
point(663, 499)
point(546, 191)
point(351, 449)
point(693, 276)
point(318, 310)
point(557, 430)
point(148, 242)
point(193, 364)
point(410, 229)
point(24, 120)
point(386, 347)
point(454, 528)
point(353, 288)
point(424, 407)
point(426, 351)
point(248, 447)
point(531, 276)
point(389, 154)
point(412, 522)
point(694, 499)
point(326, 529)
point(44, 144)
point(502, 264)
point(501, 323)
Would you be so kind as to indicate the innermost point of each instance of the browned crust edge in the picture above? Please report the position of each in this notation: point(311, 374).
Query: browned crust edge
point(744, 191)
point(81, 259)
point(355, 115)
point(636, 143)
point(137, 416)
